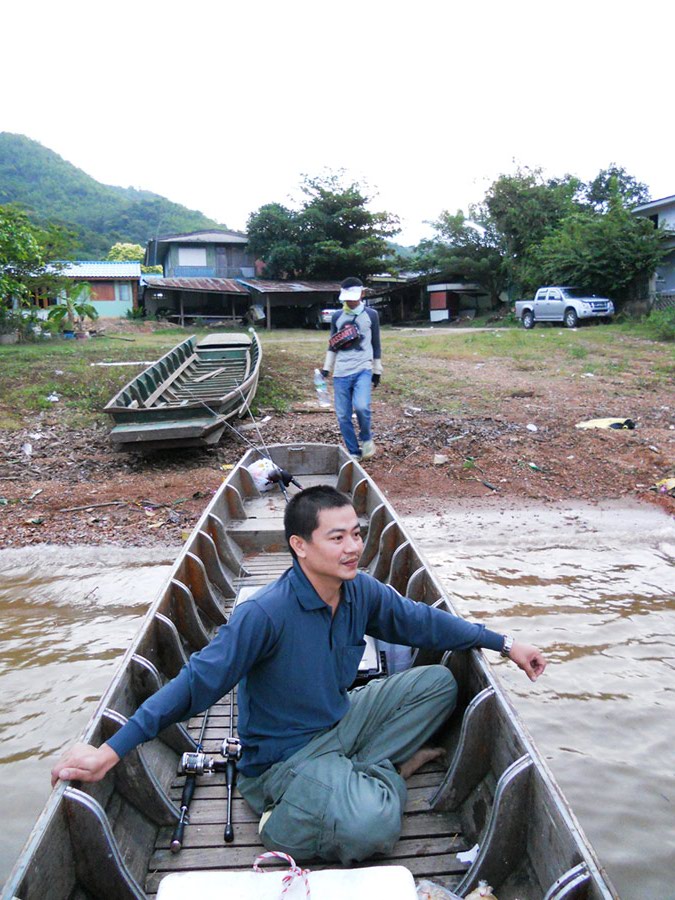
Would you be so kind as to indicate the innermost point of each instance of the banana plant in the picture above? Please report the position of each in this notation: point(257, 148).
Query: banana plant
point(74, 308)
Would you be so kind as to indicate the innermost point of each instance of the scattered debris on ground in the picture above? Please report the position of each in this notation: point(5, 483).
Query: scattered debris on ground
point(73, 486)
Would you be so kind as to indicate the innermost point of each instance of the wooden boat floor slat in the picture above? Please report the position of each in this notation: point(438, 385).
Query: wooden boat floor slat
point(428, 845)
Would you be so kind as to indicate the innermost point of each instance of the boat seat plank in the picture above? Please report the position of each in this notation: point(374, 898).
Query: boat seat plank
point(174, 375)
point(212, 374)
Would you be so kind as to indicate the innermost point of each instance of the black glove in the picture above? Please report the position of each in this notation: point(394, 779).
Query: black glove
point(376, 380)
point(325, 373)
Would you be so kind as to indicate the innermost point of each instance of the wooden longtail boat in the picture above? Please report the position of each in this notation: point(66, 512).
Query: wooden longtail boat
point(112, 839)
point(185, 398)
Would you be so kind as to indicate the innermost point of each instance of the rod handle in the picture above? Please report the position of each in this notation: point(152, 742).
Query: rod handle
point(230, 780)
point(179, 831)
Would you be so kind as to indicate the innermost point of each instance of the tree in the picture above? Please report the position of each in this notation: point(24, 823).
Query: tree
point(122, 252)
point(551, 231)
point(125, 252)
point(524, 208)
point(27, 254)
point(615, 181)
point(613, 254)
point(465, 247)
point(330, 236)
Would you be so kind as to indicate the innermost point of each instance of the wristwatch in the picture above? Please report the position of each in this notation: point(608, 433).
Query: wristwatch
point(506, 646)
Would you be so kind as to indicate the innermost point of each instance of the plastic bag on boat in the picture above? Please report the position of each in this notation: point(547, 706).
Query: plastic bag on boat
point(260, 471)
point(482, 892)
point(429, 890)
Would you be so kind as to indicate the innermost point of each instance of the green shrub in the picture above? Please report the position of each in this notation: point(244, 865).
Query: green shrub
point(661, 323)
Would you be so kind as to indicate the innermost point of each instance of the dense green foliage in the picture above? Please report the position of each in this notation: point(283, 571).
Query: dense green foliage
point(530, 231)
point(330, 236)
point(51, 189)
point(25, 253)
point(611, 254)
point(463, 245)
point(126, 252)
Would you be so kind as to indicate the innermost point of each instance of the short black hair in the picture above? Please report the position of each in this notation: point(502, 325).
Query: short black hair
point(302, 512)
point(351, 282)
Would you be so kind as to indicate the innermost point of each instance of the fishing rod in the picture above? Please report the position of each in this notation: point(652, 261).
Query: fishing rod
point(196, 763)
point(231, 750)
point(189, 766)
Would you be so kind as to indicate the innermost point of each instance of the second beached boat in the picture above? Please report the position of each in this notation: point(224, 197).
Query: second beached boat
point(186, 397)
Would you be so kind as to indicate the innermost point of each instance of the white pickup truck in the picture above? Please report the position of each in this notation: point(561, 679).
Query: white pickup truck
point(562, 304)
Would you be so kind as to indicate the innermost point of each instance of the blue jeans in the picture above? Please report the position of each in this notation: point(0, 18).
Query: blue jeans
point(351, 393)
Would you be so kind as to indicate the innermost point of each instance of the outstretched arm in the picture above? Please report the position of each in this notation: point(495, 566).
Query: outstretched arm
point(83, 762)
point(528, 658)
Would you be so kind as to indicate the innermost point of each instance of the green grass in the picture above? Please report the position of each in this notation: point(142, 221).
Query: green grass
point(431, 368)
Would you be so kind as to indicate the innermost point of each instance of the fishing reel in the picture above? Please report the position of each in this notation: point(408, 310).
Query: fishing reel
point(196, 763)
point(230, 749)
point(283, 478)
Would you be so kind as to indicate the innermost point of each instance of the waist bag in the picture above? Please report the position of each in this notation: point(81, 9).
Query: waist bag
point(344, 337)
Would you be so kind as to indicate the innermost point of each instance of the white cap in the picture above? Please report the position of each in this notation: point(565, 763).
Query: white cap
point(351, 293)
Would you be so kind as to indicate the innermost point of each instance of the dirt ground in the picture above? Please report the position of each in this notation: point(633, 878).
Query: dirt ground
point(71, 487)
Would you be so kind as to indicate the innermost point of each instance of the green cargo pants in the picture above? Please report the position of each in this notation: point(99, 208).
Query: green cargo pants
point(340, 797)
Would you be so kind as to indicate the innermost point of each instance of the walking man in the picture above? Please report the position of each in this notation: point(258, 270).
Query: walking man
point(356, 365)
point(324, 766)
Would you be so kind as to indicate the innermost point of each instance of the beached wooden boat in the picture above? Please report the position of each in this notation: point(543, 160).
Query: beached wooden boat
point(186, 397)
point(112, 839)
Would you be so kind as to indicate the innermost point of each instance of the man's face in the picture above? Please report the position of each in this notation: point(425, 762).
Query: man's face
point(352, 304)
point(335, 546)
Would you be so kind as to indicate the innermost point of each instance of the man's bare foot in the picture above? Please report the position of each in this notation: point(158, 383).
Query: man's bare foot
point(418, 759)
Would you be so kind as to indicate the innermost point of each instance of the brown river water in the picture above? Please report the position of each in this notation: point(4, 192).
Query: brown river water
point(594, 587)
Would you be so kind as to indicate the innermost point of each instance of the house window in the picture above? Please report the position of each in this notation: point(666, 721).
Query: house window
point(192, 256)
point(123, 291)
point(101, 290)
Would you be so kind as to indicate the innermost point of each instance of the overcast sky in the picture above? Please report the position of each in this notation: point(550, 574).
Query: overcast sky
point(222, 106)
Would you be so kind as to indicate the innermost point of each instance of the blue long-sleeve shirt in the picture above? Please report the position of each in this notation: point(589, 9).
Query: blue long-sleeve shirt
point(294, 663)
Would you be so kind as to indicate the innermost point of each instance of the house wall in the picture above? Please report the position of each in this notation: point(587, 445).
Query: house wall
point(113, 299)
point(665, 274)
point(666, 217)
point(665, 271)
point(208, 261)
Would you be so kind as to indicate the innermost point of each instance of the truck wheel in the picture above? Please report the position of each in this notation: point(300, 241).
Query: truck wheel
point(571, 319)
point(528, 319)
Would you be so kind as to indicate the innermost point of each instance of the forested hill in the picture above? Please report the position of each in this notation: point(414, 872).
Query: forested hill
point(51, 189)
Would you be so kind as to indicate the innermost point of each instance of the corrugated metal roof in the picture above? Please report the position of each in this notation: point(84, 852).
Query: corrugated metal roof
point(205, 237)
point(101, 269)
point(214, 285)
point(290, 287)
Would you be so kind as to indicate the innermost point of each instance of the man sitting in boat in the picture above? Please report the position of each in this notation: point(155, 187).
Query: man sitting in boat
point(324, 766)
